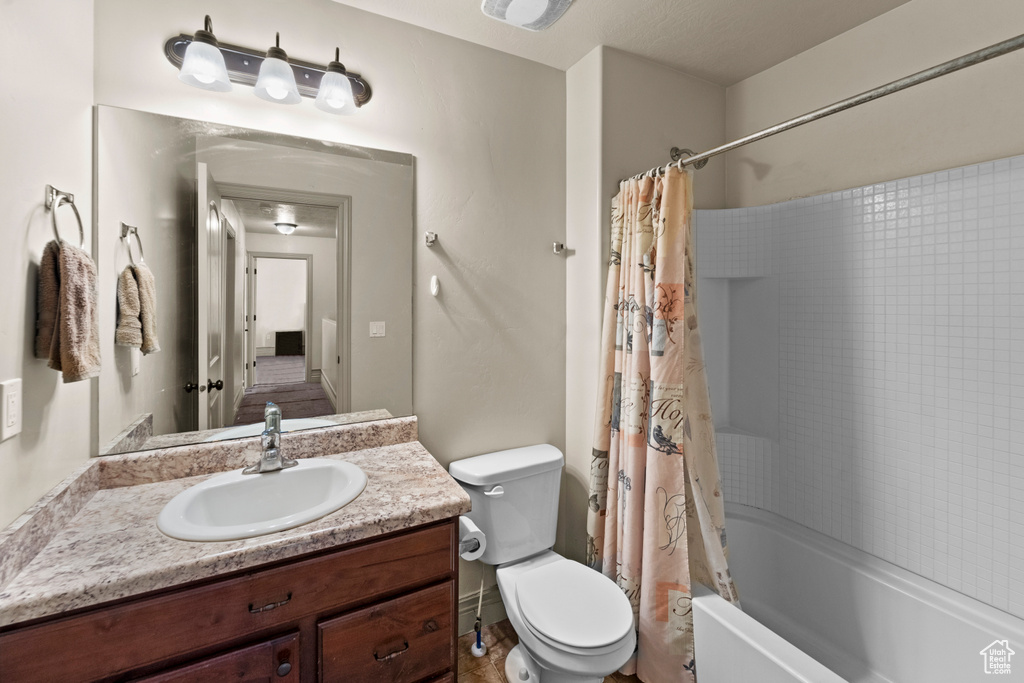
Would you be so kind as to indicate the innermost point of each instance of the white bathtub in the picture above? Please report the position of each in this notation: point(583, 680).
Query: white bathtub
point(820, 611)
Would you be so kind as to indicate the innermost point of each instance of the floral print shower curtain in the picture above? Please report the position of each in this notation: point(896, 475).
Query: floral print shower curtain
point(656, 522)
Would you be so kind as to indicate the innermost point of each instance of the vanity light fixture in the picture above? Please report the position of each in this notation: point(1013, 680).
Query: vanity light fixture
point(276, 82)
point(285, 228)
point(210, 64)
point(335, 95)
point(203, 65)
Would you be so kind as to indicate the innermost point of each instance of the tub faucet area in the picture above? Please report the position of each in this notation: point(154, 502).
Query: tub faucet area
point(271, 460)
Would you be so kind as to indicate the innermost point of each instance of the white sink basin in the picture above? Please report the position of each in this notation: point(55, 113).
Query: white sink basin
point(233, 505)
point(257, 428)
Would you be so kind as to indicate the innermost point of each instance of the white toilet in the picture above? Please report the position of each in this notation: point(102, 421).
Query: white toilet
point(574, 624)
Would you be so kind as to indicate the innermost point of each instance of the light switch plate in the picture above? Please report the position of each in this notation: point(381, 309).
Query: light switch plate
point(377, 329)
point(10, 408)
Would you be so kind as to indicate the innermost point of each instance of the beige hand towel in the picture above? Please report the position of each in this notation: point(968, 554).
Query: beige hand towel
point(147, 308)
point(129, 326)
point(68, 314)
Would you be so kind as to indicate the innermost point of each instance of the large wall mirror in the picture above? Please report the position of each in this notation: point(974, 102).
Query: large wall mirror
point(283, 270)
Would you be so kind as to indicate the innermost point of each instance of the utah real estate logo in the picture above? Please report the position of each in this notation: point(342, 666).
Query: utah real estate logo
point(997, 657)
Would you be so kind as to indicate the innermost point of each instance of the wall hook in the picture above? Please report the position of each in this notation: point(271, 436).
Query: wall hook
point(431, 239)
point(557, 248)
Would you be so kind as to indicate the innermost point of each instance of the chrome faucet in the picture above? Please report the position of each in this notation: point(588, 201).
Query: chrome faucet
point(271, 460)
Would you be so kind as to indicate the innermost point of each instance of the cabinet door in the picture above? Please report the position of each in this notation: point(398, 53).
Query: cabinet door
point(403, 640)
point(273, 661)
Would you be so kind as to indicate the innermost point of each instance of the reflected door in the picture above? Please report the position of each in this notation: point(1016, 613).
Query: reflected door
point(210, 240)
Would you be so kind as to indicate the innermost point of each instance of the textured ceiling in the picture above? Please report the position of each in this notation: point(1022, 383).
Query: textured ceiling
point(723, 41)
point(313, 221)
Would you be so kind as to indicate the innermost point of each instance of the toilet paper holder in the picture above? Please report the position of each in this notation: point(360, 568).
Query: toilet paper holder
point(472, 541)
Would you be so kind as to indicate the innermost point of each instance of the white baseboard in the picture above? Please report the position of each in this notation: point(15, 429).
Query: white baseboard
point(332, 395)
point(493, 609)
point(264, 351)
point(314, 375)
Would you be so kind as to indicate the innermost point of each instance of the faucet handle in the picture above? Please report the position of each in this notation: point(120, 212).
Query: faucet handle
point(271, 439)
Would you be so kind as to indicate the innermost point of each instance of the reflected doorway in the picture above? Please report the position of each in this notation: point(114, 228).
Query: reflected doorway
point(280, 318)
point(279, 325)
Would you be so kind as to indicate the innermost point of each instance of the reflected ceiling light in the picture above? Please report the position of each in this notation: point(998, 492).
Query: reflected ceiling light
point(285, 228)
point(203, 66)
point(210, 64)
point(533, 15)
point(335, 95)
point(276, 82)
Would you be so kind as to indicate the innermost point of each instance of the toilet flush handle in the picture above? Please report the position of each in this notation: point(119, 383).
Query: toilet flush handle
point(495, 492)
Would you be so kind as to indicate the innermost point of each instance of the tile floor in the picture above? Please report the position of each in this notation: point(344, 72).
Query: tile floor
point(499, 638)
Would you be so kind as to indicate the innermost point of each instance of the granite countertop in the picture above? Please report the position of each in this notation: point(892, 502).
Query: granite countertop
point(94, 538)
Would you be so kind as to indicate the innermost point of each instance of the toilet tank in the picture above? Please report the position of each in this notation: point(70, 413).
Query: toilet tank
point(515, 499)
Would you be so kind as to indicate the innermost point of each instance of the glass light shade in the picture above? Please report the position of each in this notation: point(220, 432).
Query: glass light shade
point(276, 82)
point(203, 67)
point(285, 228)
point(335, 94)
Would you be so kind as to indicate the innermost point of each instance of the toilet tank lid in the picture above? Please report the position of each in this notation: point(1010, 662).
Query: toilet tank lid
point(502, 466)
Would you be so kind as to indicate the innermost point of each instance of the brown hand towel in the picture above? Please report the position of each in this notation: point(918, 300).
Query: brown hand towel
point(129, 326)
point(73, 324)
point(147, 308)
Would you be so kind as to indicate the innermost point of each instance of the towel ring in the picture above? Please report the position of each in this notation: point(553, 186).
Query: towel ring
point(127, 231)
point(54, 200)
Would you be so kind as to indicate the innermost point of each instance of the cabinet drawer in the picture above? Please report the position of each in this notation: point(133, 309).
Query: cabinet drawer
point(274, 660)
point(119, 639)
point(400, 641)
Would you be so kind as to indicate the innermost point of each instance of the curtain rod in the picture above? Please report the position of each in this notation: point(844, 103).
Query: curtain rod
point(985, 54)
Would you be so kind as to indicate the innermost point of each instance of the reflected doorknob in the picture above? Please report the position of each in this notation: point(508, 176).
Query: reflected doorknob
point(211, 385)
point(190, 387)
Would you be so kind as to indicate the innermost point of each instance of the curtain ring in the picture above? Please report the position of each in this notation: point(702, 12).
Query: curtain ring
point(62, 200)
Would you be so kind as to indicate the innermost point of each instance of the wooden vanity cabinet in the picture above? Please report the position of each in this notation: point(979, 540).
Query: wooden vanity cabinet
point(379, 610)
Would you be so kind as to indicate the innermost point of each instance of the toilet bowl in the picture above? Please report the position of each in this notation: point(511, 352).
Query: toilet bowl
point(574, 624)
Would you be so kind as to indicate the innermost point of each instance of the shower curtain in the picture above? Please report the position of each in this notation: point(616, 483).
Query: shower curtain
point(656, 522)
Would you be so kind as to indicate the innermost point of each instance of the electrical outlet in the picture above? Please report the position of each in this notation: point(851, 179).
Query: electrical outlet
point(377, 329)
point(10, 408)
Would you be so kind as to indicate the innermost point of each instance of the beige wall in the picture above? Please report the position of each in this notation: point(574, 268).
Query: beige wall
point(488, 134)
point(963, 118)
point(47, 134)
point(623, 115)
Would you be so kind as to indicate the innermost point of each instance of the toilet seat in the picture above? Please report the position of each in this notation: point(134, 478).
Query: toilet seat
point(573, 607)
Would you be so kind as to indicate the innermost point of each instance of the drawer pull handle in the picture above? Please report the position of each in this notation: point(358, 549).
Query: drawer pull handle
point(393, 653)
point(269, 606)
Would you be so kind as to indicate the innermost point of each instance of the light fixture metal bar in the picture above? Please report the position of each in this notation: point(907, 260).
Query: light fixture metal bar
point(243, 66)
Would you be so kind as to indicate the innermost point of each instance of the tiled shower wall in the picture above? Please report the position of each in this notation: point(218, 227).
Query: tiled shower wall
point(899, 393)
